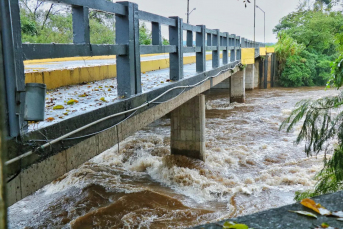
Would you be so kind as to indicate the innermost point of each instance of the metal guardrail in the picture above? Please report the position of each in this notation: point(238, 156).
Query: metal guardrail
point(127, 47)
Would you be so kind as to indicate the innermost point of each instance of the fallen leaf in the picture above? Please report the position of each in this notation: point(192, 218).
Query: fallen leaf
point(315, 207)
point(50, 119)
point(58, 107)
point(103, 99)
point(109, 89)
point(232, 225)
point(305, 213)
point(238, 226)
point(324, 226)
point(72, 101)
point(228, 223)
point(83, 95)
point(338, 214)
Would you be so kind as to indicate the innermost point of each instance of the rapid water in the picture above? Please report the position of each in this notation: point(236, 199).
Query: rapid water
point(250, 167)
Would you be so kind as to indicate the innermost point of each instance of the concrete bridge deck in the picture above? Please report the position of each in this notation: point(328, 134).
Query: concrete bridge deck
point(81, 62)
point(38, 157)
point(94, 91)
point(59, 72)
point(34, 171)
point(102, 119)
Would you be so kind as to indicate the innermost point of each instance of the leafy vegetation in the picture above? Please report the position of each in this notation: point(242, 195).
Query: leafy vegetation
point(307, 45)
point(43, 22)
point(322, 125)
point(322, 119)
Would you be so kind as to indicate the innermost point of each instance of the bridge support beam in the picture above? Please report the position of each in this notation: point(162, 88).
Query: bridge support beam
point(237, 87)
point(188, 129)
point(249, 77)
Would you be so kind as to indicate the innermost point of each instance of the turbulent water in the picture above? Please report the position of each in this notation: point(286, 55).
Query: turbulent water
point(250, 167)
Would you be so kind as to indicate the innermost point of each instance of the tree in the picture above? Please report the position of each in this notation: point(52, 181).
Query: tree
point(311, 37)
point(42, 22)
point(322, 123)
point(144, 35)
point(245, 2)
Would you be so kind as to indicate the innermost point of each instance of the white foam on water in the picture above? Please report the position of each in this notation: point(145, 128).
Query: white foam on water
point(246, 155)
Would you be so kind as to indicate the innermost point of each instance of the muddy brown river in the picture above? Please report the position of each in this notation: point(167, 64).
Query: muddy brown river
point(251, 166)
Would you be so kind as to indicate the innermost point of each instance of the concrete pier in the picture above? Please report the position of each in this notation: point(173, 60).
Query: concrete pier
point(249, 77)
point(188, 129)
point(257, 73)
point(237, 87)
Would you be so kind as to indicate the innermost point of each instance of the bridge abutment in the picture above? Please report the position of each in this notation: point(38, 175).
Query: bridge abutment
point(237, 87)
point(188, 129)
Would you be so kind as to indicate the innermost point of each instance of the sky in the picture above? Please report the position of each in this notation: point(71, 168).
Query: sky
point(227, 15)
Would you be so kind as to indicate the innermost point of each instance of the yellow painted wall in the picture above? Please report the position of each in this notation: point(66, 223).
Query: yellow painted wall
point(248, 55)
point(65, 77)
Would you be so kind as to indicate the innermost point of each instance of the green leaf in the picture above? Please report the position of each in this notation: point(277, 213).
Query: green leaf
point(103, 99)
point(58, 107)
point(72, 101)
point(239, 226)
point(305, 213)
point(232, 225)
point(325, 225)
point(228, 223)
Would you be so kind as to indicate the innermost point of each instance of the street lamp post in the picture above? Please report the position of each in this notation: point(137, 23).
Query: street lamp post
point(188, 13)
point(254, 23)
point(264, 24)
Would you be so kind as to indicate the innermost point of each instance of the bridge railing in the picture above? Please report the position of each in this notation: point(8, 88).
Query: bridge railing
point(127, 47)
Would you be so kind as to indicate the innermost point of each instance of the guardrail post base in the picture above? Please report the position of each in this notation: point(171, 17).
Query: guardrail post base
point(225, 52)
point(232, 43)
point(128, 66)
point(201, 56)
point(176, 59)
point(215, 54)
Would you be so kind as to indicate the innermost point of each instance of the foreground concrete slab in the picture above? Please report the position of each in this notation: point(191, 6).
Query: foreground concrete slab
point(282, 218)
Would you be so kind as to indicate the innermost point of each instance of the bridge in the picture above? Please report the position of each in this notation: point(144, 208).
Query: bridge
point(37, 157)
